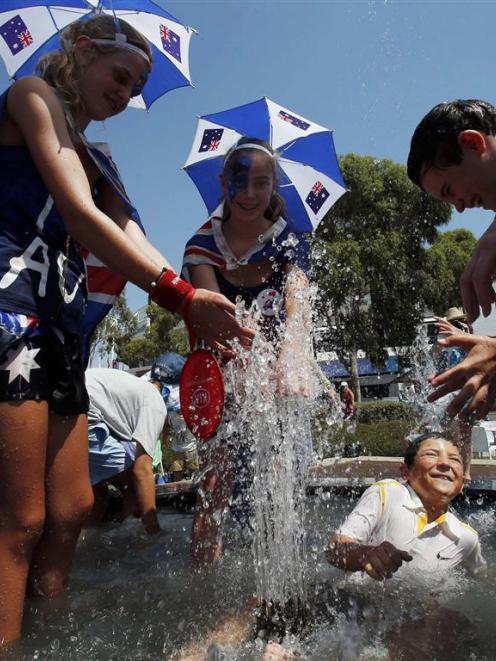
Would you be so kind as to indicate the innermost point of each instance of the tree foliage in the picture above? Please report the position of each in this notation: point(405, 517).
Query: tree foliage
point(370, 258)
point(162, 335)
point(446, 259)
point(118, 327)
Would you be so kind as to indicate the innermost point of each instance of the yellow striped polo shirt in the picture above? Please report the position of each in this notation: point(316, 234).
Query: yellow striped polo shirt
point(391, 511)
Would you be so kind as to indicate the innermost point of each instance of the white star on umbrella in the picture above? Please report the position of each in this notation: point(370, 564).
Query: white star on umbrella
point(20, 362)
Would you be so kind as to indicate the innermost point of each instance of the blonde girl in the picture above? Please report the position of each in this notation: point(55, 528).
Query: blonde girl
point(57, 197)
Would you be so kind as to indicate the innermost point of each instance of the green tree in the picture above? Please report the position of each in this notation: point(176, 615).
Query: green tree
point(369, 260)
point(446, 259)
point(118, 327)
point(163, 334)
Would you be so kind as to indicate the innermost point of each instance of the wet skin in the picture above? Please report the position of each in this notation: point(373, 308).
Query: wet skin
point(471, 183)
point(436, 476)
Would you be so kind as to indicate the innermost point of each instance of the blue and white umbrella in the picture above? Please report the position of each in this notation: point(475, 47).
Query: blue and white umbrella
point(310, 180)
point(30, 28)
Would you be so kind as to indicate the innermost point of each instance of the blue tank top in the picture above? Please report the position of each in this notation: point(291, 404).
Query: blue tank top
point(42, 273)
point(268, 296)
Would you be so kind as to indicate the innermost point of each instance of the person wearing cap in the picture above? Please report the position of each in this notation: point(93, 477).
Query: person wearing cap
point(409, 522)
point(126, 418)
point(167, 369)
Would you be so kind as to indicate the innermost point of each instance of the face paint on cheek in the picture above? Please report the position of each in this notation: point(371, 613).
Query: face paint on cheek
point(238, 178)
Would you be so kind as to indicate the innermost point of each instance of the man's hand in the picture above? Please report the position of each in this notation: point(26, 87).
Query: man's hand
point(477, 279)
point(381, 562)
point(474, 377)
point(444, 326)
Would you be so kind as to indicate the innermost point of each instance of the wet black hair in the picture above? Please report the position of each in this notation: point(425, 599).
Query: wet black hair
point(435, 140)
point(414, 445)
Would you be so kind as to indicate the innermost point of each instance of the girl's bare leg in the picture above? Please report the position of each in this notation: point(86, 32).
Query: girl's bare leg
point(23, 434)
point(69, 501)
point(100, 504)
point(213, 498)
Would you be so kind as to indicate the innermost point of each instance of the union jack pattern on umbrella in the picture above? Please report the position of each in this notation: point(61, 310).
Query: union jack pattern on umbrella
point(31, 28)
point(16, 34)
point(316, 197)
point(211, 139)
point(309, 178)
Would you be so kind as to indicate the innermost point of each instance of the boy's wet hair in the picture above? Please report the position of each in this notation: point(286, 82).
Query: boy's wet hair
point(435, 140)
point(232, 162)
point(415, 443)
point(60, 69)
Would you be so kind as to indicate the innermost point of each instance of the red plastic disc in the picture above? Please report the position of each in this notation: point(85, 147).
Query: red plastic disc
point(201, 392)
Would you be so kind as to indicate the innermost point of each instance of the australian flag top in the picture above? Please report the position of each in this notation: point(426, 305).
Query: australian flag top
point(281, 242)
point(104, 285)
point(16, 34)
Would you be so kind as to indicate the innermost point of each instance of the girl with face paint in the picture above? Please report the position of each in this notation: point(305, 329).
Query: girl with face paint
point(248, 252)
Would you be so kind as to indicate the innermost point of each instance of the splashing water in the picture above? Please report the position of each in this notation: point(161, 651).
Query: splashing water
point(273, 394)
point(431, 416)
point(424, 358)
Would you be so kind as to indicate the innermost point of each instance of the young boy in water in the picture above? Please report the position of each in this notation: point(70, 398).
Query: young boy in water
point(396, 523)
point(453, 158)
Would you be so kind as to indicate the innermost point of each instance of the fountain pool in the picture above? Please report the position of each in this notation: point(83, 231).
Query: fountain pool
point(135, 597)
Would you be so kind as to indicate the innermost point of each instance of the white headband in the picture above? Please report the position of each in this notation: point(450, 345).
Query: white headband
point(121, 41)
point(249, 145)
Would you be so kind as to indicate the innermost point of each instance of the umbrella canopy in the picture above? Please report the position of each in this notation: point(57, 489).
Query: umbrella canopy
point(309, 178)
point(30, 28)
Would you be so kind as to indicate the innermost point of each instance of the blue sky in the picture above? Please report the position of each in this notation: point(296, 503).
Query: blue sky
point(368, 69)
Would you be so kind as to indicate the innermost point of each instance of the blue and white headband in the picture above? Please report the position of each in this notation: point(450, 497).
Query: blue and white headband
point(249, 145)
point(120, 41)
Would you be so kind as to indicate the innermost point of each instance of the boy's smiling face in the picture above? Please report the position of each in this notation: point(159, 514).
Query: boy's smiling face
point(437, 473)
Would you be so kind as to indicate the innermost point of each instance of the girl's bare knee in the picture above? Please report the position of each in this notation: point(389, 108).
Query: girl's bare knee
point(24, 529)
point(72, 515)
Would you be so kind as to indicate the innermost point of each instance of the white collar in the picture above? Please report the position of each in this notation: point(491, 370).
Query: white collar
point(447, 520)
point(233, 262)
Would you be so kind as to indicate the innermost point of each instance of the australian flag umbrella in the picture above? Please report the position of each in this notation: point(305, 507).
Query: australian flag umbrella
point(310, 180)
point(31, 28)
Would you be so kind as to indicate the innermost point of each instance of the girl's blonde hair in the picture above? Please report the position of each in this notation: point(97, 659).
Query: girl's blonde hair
point(60, 69)
point(276, 204)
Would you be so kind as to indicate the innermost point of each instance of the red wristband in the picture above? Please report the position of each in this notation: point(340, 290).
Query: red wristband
point(170, 292)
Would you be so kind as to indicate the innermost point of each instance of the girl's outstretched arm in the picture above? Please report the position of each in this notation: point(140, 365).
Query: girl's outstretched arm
point(36, 111)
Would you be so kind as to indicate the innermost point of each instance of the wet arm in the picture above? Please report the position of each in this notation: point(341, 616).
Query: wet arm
point(41, 121)
point(39, 116)
point(474, 377)
point(203, 275)
point(111, 204)
point(379, 562)
point(295, 304)
point(144, 485)
point(477, 279)
point(346, 553)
